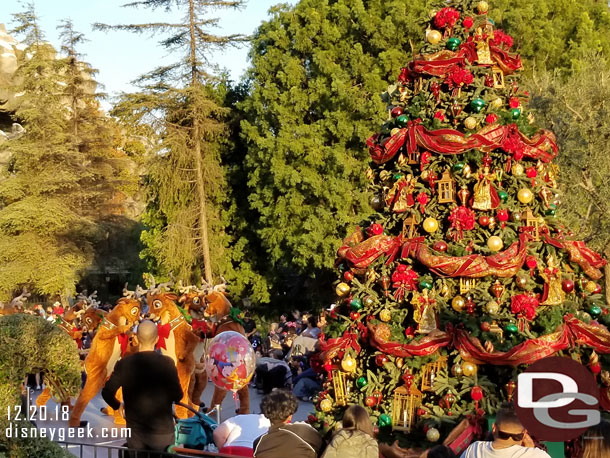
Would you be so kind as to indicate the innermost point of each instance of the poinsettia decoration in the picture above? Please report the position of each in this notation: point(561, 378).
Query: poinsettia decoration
point(462, 219)
point(458, 77)
point(501, 38)
point(525, 305)
point(403, 280)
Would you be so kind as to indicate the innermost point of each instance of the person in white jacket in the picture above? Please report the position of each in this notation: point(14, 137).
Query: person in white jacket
point(356, 438)
point(511, 440)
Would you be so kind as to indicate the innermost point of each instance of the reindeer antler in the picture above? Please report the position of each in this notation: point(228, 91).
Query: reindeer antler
point(221, 287)
point(20, 300)
point(128, 293)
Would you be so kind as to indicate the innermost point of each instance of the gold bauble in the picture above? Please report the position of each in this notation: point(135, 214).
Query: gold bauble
point(492, 223)
point(432, 435)
point(425, 174)
point(517, 169)
point(348, 364)
point(590, 286)
point(394, 131)
point(467, 171)
point(458, 303)
point(384, 175)
point(470, 122)
point(432, 13)
point(456, 370)
point(469, 368)
point(495, 243)
point(385, 315)
point(434, 37)
point(482, 7)
point(342, 289)
point(430, 225)
point(492, 307)
point(326, 405)
point(495, 103)
point(399, 362)
point(525, 196)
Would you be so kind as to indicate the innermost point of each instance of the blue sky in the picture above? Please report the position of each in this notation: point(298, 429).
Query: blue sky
point(121, 56)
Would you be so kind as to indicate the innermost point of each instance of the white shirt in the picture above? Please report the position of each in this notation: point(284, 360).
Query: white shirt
point(244, 429)
point(482, 449)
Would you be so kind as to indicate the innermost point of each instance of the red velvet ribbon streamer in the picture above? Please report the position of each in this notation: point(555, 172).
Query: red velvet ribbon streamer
point(163, 330)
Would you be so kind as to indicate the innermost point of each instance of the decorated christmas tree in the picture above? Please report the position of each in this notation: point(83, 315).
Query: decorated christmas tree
point(465, 274)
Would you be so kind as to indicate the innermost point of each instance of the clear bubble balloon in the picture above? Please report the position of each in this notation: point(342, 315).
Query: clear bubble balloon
point(231, 361)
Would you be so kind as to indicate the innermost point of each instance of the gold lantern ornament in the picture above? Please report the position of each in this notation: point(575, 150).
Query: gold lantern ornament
point(446, 188)
point(404, 407)
point(430, 225)
point(434, 37)
point(342, 289)
point(326, 405)
point(430, 371)
point(408, 227)
point(495, 243)
point(530, 220)
point(469, 368)
point(466, 284)
point(525, 196)
point(340, 387)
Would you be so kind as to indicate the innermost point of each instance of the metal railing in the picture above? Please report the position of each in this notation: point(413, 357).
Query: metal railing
point(114, 451)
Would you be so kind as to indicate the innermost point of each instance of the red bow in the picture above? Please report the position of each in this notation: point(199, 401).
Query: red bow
point(163, 331)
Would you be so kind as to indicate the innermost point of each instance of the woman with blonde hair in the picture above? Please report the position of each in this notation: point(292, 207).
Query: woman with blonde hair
point(356, 438)
point(596, 441)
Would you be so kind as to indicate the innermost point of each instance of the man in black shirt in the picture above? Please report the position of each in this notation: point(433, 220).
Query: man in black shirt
point(150, 387)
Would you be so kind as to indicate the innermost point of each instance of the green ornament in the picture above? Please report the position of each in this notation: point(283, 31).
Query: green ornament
point(491, 21)
point(550, 212)
point(515, 113)
point(397, 176)
point(503, 195)
point(356, 304)
point(459, 166)
point(425, 284)
point(511, 328)
point(595, 311)
point(384, 421)
point(477, 104)
point(402, 120)
point(361, 382)
point(453, 43)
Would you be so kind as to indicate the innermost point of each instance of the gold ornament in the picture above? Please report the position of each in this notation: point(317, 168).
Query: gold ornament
point(456, 370)
point(399, 362)
point(470, 122)
point(434, 37)
point(495, 243)
point(385, 315)
point(432, 435)
point(384, 175)
point(402, 160)
point(342, 289)
point(517, 169)
point(590, 286)
point(348, 364)
point(430, 225)
point(525, 196)
point(394, 131)
point(458, 303)
point(492, 307)
point(404, 407)
point(370, 174)
point(467, 171)
point(482, 7)
point(326, 405)
point(492, 223)
point(482, 190)
point(469, 368)
point(425, 174)
point(495, 103)
point(555, 295)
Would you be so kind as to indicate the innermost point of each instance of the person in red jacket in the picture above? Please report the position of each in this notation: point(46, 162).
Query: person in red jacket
point(285, 439)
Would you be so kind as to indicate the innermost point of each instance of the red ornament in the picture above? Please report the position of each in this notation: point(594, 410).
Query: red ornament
point(484, 221)
point(439, 115)
point(458, 77)
point(567, 285)
point(380, 360)
point(485, 326)
point(531, 172)
point(348, 275)
point(531, 262)
point(396, 112)
point(596, 368)
point(312, 419)
point(491, 118)
point(497, 289)
point(598, 289)
point(378, 396)
point(328, 366)
point(489, 81)
point(476, 393)
point(467, 22)
point(408, 379)
point(514, 102)
point(470, 305)
point(370, 401)
point(375, 229)
point(440, 246)
point(354, 316)
point(409, 332)
point(422, 199)
point(421, 412)
point(502, 215)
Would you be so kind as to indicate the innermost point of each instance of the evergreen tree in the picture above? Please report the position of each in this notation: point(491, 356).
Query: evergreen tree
point(59, 177)
point(178, 105)
point(464, 275)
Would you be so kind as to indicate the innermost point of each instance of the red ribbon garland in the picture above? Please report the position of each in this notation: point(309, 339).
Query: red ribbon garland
point(124, 342)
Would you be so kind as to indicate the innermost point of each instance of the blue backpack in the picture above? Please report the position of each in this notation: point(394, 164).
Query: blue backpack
point(195, 432)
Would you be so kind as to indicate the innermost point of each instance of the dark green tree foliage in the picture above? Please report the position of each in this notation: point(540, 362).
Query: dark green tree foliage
point(465, 246)
point(317, 70)
point(181, 107)
point(60, 177)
